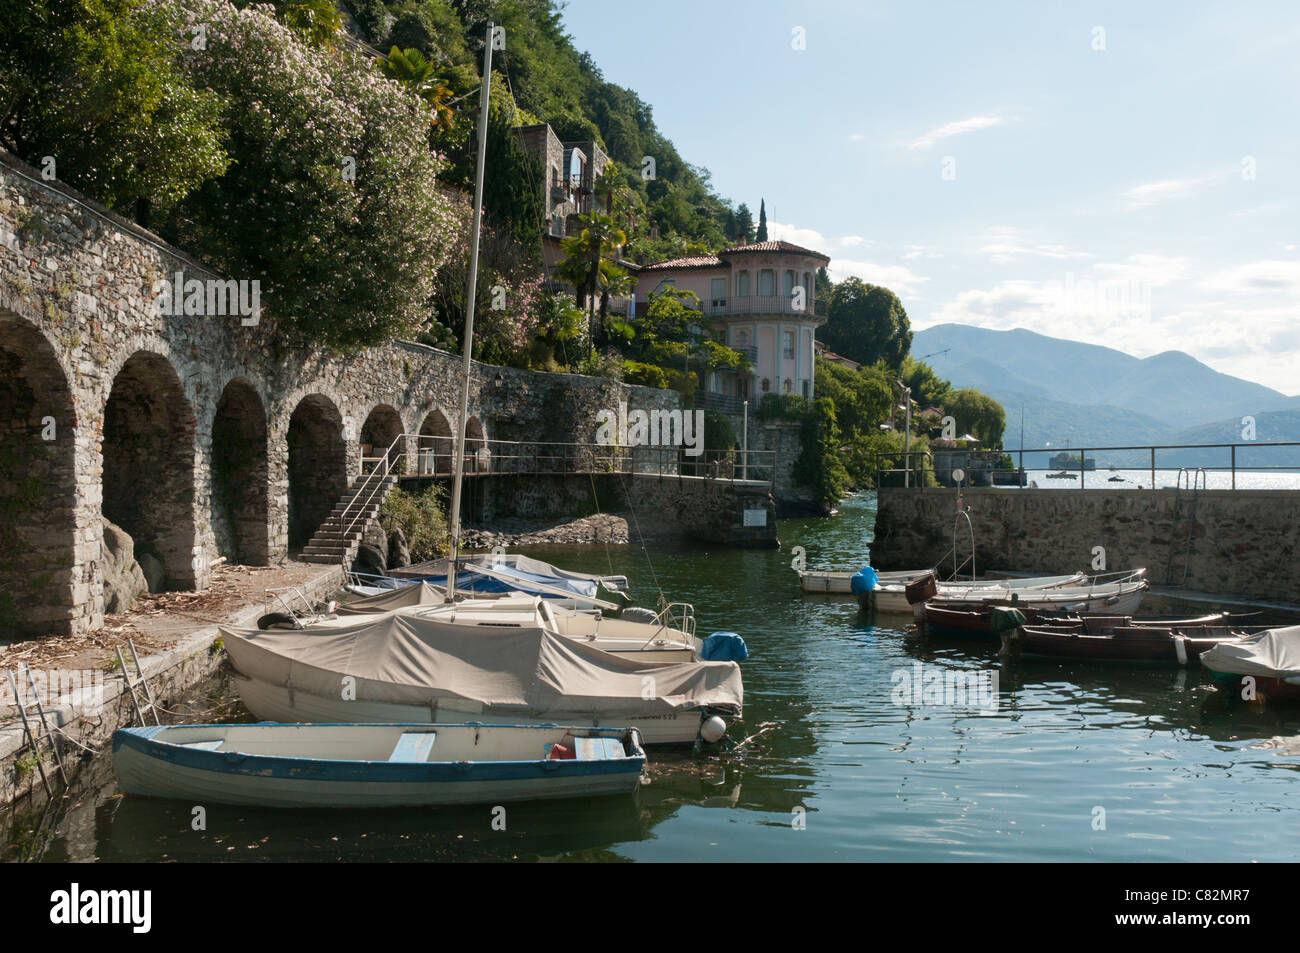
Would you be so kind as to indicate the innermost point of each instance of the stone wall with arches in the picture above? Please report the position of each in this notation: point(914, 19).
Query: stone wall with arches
point(202, 437)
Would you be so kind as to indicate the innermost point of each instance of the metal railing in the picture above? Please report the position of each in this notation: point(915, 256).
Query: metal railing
point(759, 304)
point(372, 482)
point(912, 469)
point(1085, 460)
point(536, 457)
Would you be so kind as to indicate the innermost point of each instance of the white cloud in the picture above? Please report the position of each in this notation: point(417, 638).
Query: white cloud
point(1149, 193)
point(856, 137)
point(959, 127)
point(852, 241)
point(1256, 277)
point(807, 237)
point(897, 278)
point(1007, 244)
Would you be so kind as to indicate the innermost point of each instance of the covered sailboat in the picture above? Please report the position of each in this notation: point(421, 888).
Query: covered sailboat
point(403, 667)
point(1263, 665)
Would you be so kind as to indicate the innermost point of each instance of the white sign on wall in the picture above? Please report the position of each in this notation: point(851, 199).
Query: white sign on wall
point(755, 517)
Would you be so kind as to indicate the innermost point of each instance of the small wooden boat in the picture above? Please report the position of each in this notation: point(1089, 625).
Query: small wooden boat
point(893, 596)
point(965, 618)
point(369, 766)
point(1122, 595)
point(1180, 644)
point(1264, 665)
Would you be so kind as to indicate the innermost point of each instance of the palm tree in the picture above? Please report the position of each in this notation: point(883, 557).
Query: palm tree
point(411, 69)
point(584, 254)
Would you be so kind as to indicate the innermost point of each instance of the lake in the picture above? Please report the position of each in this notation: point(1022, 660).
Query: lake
point(1077, 762)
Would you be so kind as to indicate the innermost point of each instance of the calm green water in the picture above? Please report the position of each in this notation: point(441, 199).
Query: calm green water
point(1178, 779)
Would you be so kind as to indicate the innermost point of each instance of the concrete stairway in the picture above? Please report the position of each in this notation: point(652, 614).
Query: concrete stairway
point(333, 542)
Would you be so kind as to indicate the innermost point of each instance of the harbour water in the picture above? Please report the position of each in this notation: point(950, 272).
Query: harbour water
point(1077, 762)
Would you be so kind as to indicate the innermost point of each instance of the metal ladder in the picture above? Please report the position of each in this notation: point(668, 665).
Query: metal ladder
point(150, 706)
point(1196, 480)
point(45, 735)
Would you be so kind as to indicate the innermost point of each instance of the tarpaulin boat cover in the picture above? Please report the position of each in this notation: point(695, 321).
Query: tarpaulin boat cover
point(419, 594)
point(405, 659)
point(1273, 653)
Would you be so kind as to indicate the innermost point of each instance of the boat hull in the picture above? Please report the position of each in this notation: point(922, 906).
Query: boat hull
point(149, 767)
point(1125, 645)
point(282, 704)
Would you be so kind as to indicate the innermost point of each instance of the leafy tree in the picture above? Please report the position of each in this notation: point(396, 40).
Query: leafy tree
point(417, 75)
point(867, 323)
point(332, 202)
point(744, 225)
point(978, 414)
point(95, 85)
point(928, 389)
point(819, 465)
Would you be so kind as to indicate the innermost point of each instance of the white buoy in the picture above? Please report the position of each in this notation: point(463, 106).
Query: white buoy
point(713, 729)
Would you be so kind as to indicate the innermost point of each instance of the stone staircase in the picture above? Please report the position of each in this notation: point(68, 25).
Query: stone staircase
point(360, 503)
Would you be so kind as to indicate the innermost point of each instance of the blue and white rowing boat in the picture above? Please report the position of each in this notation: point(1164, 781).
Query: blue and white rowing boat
point(367, 766)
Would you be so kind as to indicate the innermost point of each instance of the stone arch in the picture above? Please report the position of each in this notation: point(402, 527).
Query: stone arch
point(477, 459)
point(148, 453)
point(38, 485)
point(383, 425)
point(318, 466)
point(240, 488)
point(437, 444)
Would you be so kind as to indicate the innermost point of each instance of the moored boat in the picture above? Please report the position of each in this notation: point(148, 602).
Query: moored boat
point(1175, 644)
point(893, 597)
point(963, 617)
point(1265, 665)
point(410, 667)
point(369, 766)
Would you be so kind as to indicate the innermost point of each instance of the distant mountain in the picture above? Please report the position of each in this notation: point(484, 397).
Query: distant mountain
point(1084, 394)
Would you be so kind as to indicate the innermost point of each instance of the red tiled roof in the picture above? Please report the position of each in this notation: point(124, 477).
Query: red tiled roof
point(777, 246)
point(698, 261)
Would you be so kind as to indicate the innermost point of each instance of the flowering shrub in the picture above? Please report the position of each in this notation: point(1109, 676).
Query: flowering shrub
point(331, 201)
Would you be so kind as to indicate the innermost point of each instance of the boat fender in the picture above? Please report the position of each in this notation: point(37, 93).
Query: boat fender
point(1180, 647)
point(864, 580)
point(712, 729)
point(639, 614)
point(723, 647)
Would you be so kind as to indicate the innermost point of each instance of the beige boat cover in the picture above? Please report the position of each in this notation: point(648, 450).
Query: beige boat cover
point(1273, 653)
point(420, 594)
point(404, 659)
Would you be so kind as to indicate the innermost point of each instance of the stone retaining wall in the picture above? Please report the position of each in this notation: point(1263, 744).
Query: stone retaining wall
point(1242, 542)
point(84, 722)
point(108, 407)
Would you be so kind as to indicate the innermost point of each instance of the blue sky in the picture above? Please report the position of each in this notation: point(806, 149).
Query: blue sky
point(1124, 174)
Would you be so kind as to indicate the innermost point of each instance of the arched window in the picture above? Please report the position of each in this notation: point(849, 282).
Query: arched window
point(742, 285)
point(787, 385)
point(766, 283)
point(742, 339)
point(788, 288)
point(767, 385)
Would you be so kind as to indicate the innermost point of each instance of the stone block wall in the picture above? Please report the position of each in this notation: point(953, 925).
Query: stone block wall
point(109, 407)
point(1242, 542)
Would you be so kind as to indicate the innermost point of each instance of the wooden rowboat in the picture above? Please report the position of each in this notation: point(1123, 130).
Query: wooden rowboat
point(1180, 644)
point(369, 766)
point(962, 618)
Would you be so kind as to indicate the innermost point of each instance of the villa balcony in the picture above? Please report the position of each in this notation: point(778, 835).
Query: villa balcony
point(756, 304)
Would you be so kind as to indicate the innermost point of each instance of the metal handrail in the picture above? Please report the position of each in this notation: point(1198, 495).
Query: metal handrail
point(382, 474)
point(1085, 457)
point(665, 616)
point(553, 457)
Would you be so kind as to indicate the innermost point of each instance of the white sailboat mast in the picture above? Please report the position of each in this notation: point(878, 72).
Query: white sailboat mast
point(467, 342)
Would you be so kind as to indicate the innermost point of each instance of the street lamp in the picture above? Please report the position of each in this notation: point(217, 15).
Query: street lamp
point(744, 446)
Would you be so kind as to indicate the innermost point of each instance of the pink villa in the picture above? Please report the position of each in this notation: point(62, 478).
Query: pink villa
point(760, 297)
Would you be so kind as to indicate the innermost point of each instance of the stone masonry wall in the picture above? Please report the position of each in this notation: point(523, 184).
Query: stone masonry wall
point(1243, 542)
point(76, 308)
